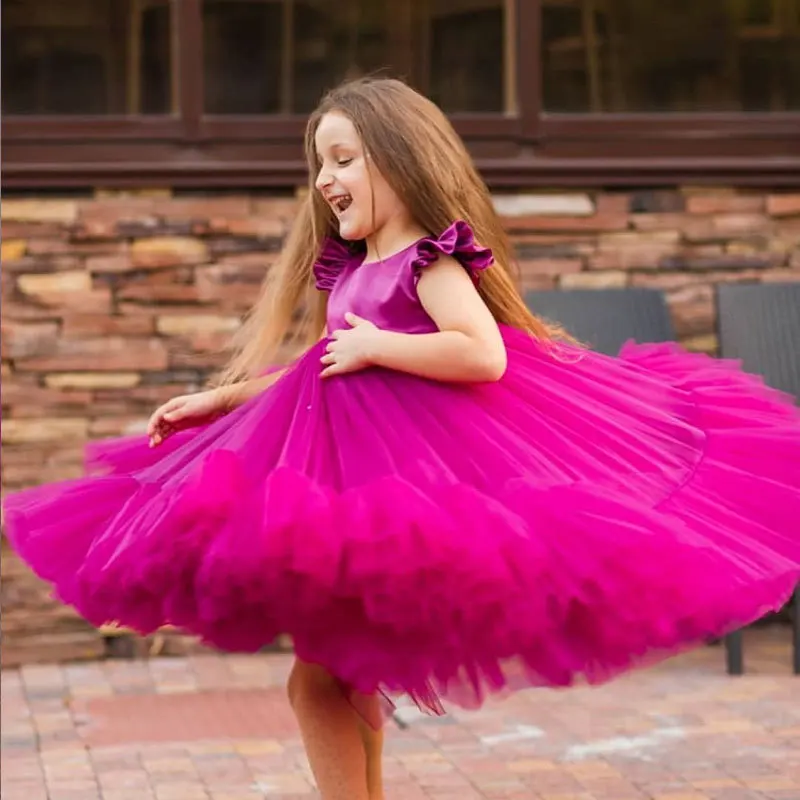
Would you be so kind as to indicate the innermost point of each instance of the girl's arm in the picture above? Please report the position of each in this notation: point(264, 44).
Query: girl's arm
point(236, 394)
point(468, 345)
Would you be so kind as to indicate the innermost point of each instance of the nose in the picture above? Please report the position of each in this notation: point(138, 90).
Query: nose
point(323, 181)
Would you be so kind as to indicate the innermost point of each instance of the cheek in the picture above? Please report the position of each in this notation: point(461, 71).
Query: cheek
point(357, 184)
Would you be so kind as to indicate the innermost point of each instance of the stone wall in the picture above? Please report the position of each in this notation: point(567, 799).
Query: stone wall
point(115, 303)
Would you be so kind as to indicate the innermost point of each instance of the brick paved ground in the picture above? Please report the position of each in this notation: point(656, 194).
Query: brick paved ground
point(218, 728)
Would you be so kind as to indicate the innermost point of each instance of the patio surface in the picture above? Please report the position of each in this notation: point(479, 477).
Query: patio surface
point(219, 728)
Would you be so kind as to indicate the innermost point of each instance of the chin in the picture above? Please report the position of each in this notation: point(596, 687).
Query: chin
point(353, 231)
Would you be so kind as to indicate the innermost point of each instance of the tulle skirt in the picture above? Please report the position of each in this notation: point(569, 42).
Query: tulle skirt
point(581, 516)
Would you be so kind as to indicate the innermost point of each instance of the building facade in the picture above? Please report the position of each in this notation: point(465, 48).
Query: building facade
point(152, 156)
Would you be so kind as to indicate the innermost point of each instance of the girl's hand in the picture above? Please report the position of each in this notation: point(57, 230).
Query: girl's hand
point(186, 411)
point(351, 349)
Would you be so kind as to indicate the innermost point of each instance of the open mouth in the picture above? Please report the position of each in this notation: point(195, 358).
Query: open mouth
point(341, 203)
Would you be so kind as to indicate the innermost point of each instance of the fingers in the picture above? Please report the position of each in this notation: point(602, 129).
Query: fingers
point(157, 416)
point(159, 425)
point(333, 369)
point(353, 319)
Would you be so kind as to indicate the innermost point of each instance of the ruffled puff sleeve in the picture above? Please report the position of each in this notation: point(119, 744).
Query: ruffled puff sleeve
point(333, 258)
point(457, 241)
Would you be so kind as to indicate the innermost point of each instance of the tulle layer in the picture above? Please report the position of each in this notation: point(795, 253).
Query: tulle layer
point(581, 516)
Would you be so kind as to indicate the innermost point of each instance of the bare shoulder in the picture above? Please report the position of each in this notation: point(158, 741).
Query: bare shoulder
point(444, 270)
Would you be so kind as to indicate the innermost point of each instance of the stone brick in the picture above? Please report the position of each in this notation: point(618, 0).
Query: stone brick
point(13, 210)
point(89, 325)
point(61, 282)
point(20, 431)
point(726, 262)
point(230, 285)
point(644, 256)
point(186, 357)
point(536, 283)
point(550, 266)
point(12, 250)
point(597, 222)
point(109, 263)
point(243, 266)
point(50, 305)
point(168, 251)
point(725, 203)
point(530, 204)
point(13, 229)
point(102, 193)
point(656, 201)
point(693, 311)
point(658, 222)
point(611, 242)
point(611, 214)
point(678, 280)
point(222, 246)
point(114, 210)
point(213, 343)
point(138, 307)
point(20, 340)
point(43, 264)
point(96, 301)
point(92, 380)
point(787, 275)
point(117, 426)
point(738, 224)
point(34, 474)
point(108, 354)
point(259, 227)
point(94, 230)
point(24, 395)
point(783, 205)
point(64, 247)
point(204, 207)
point(155, 293)
point(283, 208)
point(197, 323)
point(595, 280)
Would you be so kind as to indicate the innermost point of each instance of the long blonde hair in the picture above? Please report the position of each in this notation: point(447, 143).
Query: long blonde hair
point(415, 148)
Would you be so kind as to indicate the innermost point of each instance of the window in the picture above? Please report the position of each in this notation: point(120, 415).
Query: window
point(86, 57)
point(279, 56)
point(202, 93)
point(681, 56)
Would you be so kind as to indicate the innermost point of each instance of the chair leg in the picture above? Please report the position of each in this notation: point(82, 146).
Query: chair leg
point(734, 653)
point(796, 631)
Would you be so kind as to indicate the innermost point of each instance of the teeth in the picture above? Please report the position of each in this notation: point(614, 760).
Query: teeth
point(342, 203)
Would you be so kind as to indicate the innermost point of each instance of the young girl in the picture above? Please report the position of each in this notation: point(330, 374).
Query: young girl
point(442, 496)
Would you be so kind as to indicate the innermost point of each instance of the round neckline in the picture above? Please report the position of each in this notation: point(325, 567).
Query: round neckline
point(391, 256)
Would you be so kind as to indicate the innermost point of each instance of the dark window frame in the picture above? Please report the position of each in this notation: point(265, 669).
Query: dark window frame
point(193, 150)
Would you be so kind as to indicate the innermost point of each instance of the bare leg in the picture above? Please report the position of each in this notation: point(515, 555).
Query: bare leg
point(373, 746)
point(331, 731)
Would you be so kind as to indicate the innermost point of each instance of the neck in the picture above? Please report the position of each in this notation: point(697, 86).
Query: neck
point(392, 237)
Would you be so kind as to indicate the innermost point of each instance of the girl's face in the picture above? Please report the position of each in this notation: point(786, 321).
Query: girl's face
point(361, 199)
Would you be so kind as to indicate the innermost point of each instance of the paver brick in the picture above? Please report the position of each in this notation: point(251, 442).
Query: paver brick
point(215, 727)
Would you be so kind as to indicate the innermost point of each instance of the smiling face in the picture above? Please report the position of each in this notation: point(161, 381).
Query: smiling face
point(359, 196)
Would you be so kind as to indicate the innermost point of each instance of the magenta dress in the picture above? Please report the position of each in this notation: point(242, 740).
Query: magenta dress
point(583, 515)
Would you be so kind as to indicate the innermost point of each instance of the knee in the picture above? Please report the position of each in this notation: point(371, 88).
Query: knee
point(309, 680)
